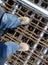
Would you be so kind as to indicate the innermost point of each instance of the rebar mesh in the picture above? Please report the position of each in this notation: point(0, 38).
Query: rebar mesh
point(41, 3)
point(35, 34)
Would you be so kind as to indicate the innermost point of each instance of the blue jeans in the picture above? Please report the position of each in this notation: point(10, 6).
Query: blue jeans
point(8, 48)
point(9, 21)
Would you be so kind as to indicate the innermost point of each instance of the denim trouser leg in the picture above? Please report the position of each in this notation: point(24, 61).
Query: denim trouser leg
point(9, 21)
point(8, 48)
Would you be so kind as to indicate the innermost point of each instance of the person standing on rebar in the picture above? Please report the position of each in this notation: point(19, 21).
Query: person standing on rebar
point(11, 21)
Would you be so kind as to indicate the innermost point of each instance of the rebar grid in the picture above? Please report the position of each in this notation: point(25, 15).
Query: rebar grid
point(35, 34)
point(41, 3)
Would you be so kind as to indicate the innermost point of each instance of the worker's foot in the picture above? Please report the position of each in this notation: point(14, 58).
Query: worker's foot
point(23, 47)
point(24, 20)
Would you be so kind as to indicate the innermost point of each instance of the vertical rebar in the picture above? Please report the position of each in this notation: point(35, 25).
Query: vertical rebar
point(16, 7)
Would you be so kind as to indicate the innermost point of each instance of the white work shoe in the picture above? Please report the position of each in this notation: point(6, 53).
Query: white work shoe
point(24, 20)
point(23, 47)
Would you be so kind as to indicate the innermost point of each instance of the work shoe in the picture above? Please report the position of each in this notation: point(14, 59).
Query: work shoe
point(23, 47)
point(24, 20)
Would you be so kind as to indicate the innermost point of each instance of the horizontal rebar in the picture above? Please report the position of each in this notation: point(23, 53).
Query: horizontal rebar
point(34, 6)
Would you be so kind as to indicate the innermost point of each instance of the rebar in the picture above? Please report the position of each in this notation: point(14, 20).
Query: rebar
point(35, 34)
